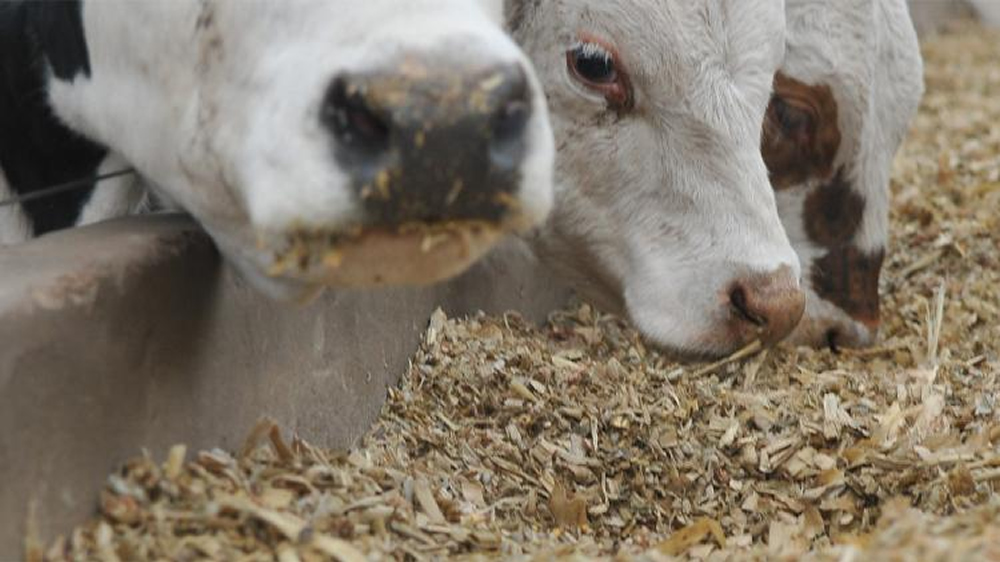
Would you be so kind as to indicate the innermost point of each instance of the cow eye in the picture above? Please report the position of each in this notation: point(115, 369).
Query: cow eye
point(596, 67)
point(593, 64)
point(794, 121)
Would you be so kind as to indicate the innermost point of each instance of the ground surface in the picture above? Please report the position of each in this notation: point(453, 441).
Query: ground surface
point(574, 441)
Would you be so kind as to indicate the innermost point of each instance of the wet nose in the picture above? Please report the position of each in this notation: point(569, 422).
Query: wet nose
point(432, 142)
point(767, 306)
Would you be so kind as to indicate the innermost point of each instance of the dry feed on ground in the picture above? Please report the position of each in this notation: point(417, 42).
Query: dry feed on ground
point(575, 441)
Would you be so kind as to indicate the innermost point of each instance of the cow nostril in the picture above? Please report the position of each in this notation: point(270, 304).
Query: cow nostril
point(766, 305)
point(509, 122)
point(352, 120)
point(833, 340)
point(738, 301)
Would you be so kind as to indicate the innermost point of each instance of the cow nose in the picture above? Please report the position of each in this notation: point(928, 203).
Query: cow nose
point(835, 331)
point(355, 123)
point(767, 306)
point(429, 142)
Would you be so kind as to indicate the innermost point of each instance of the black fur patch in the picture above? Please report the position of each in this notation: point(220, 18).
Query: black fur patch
point(36, 150)
point(57, 29)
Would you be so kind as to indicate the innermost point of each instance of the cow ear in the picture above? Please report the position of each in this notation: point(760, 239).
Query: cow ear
point(795, 123)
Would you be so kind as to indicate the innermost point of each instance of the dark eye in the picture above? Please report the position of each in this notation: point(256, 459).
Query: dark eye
point(592, 63)
point(794, 121)
point(597, 68)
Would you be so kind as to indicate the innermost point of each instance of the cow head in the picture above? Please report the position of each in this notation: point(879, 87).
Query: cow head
point(663, 206)
point(843, 99)
point(318, 141)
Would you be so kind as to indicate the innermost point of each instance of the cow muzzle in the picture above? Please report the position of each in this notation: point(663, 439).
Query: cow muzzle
point(435, 156)
point(427, 144)
point(764, 306)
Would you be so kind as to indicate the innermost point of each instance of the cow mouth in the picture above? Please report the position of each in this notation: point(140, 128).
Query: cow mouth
point(412, 254)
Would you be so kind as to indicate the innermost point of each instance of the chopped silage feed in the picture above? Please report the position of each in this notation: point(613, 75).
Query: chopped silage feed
point(575, 441)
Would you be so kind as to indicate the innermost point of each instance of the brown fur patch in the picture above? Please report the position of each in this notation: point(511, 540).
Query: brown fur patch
point(848, 278)
point(833, 212)
point(845, 276)
point(801, 135)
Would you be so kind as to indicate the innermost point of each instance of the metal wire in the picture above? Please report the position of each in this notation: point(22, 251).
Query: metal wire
point(64, 187)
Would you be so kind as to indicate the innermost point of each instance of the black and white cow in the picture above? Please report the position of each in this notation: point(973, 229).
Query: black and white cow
point(36, 150)
point(319, 142)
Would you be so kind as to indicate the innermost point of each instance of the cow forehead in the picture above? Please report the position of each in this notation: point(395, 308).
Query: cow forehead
point(660, 36)
point(340, 16)
point(712, 60)
point(265, 25)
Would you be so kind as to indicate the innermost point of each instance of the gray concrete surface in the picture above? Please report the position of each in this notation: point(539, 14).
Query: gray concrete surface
point(131, 335)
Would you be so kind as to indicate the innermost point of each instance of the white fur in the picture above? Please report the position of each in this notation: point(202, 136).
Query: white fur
point(867, 52)
point(660, 210)
point(14, 224)
point(224, 119)
point(115, 197)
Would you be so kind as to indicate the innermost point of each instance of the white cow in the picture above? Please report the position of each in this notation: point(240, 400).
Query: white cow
point(663, 207)
point(844, 97)
point(317, 141)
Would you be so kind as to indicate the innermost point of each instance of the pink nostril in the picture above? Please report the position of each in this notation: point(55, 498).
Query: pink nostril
point(770, 304)
point(738, 300)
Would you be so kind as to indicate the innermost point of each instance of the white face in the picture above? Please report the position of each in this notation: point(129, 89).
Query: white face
point(663, 206)
point(273, 121)
point(850, 84)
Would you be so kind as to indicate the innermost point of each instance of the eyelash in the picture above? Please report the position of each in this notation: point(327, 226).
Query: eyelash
point(614, 84)
point(593, 49)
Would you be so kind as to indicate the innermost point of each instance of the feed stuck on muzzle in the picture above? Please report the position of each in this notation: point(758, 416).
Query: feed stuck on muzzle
point(431, 142)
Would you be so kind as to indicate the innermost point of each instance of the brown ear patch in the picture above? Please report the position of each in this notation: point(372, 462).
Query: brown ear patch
point(801, 135)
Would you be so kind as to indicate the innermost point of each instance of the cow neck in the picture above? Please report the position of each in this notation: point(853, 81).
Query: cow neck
point(39, 40)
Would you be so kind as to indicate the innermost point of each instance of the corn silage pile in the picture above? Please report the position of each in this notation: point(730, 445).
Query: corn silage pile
point(575, 441)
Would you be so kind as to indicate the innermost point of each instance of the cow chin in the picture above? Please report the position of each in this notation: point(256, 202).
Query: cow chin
point(678, 322)
point(282, 289)
point(825, 325)
point(714, 309)
point(297, 266)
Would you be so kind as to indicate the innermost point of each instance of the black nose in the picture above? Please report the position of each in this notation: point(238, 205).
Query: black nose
point(354, 123)
point(431, 143)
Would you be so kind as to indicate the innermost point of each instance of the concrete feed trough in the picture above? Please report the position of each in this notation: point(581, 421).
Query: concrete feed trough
point(131, 335)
